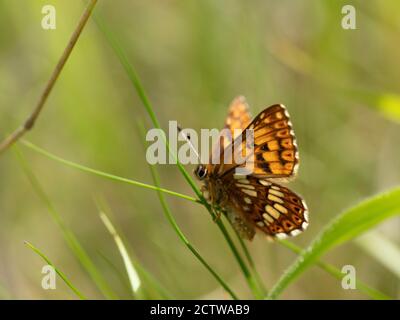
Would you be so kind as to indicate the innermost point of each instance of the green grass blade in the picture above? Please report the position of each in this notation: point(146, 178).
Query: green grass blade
point(252, 265)
point(134, 78)
point(168, 214)
point(361, 286)
point(133, 275)
point(104, 174)
point(61, 274)
point(344, 227)
point(68, 235)
point(382, 249)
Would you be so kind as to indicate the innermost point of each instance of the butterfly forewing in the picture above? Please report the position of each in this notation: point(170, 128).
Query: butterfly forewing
point(274, 152)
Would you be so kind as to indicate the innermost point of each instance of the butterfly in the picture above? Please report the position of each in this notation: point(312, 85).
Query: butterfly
point(254, 201)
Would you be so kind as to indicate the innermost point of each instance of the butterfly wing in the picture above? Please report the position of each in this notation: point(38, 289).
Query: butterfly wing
point(238, 116)
point(272, 151)
point(269, 207)
point(237, 120)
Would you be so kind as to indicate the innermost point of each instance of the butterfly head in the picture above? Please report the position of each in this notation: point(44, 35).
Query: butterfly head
point(201, 172)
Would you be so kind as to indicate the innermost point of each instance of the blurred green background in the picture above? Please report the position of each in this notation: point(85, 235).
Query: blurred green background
point(341, 88)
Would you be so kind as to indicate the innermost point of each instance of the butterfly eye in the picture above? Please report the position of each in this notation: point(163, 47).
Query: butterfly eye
point(200, 172)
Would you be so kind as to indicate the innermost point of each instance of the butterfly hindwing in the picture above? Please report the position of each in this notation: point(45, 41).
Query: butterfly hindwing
point(271, 208)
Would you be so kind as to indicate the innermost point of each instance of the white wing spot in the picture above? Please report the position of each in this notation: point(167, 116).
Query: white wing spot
point(276, 193)
point(250, 192)
point(274, 198)
point(247, 186)
point(247, 200)
point(295, 232)
point(273, 212)
point(267, 218)
point(281, 235)
point(280, 208)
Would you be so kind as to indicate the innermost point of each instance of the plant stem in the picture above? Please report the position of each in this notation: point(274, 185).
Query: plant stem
point(30, 121)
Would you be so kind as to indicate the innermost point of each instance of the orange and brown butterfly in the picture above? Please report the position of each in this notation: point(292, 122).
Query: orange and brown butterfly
point(256, 201)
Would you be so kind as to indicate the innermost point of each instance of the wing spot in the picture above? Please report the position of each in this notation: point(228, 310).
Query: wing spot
point(247, 200)
point(287, 143)
point(246, 186)
point(273, 212)
point(260, 223)
point(276, 192)
point(295, 232)
point(271, 156)
point(274, 198)
point(288, 155)
point(267, 218)
point(264, 182)
point(273, 145)
point(284, 133)
point(250, 192)
point(280, 208)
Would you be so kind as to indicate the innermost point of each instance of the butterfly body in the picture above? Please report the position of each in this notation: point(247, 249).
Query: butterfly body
point(248, 193)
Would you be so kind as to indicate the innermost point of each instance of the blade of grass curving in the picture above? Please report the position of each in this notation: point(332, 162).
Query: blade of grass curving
point(61, 274)
point(343, 228)
point(168, 214)
point(382, 249)
point(134, 78)
point(68, 235)
point(147, 278)
point(133, 275)
point(252, 265)
point(122, 277)
point(360, 285)
point(104, 174)
point(150, 284)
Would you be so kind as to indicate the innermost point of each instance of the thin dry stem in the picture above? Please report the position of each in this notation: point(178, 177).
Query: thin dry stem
point(30, 121)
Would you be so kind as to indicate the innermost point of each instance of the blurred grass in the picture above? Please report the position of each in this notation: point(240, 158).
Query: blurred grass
point(343, 228)
point(194, 57)
point(69, 237)
point(133, 275)
point(61, 275)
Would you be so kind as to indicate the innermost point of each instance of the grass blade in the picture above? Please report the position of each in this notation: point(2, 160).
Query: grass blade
point(332, 270)
point(178, 231)
point(133, 276)
point(134, 78)
point(104, 174)
point(382, 249)
point(62, 275)
point(345, 227)
point(68, 235)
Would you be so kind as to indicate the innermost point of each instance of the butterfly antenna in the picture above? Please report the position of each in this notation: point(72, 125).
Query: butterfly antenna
point(187, 139)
